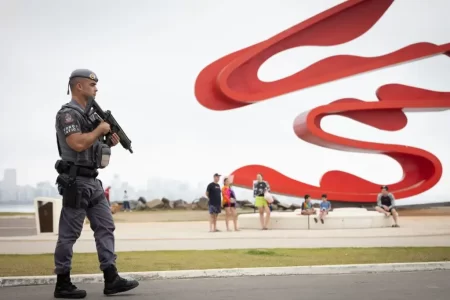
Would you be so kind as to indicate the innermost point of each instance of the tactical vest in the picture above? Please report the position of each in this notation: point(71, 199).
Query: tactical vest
point(97, 156)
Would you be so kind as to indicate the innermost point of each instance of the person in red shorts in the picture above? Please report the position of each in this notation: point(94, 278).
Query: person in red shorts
point(229, 204)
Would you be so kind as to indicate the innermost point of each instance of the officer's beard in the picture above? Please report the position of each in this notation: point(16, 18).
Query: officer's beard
point(87, 97)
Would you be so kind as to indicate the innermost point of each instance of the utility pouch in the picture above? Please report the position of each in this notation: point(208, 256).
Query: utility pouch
point(102, 154)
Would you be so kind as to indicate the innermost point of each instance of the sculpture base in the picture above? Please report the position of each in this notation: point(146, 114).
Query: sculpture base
point(339, 218)
point(47, 213)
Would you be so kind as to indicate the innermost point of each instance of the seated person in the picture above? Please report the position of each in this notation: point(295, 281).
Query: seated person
point(307, 208)
point(386, 204)
point(325, 207)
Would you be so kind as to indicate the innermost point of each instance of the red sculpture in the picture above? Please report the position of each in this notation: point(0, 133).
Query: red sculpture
point(232, 82)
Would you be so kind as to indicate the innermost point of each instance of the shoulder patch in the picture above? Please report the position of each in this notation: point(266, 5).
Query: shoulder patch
point(68, 118)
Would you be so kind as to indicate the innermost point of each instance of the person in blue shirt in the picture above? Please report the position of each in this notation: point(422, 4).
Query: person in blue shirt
point(325, 207)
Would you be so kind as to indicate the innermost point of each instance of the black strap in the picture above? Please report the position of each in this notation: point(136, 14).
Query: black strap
point(83, 172)
point(73, 172)
point(59, 147)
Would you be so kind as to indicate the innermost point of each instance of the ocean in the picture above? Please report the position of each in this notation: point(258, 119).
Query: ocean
point(27, 208)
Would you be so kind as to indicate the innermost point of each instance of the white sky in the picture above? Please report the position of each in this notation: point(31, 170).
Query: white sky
point(147, 55)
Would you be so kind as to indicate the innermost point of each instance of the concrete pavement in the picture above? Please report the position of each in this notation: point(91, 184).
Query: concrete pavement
point(17, 226)
point(399, 286)
point(415, 231)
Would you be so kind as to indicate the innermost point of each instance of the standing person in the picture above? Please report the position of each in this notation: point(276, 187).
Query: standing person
point(259, 188)
point(325, 207)
point(386, 204)
point(229, 204)
point(213, 193)
point(126, 203)
point(82, 152)
point(107, 195)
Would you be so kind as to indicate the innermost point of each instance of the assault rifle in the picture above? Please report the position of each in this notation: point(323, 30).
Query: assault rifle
point(99, 115)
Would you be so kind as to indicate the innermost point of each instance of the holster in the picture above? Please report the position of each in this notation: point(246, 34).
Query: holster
point(68, 189)
point(67, 182)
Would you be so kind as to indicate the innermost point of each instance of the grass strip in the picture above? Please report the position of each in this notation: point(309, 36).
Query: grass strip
point(8, 214)
point(87, 263)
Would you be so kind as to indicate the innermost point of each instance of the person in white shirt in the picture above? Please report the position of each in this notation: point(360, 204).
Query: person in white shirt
point(126, 203)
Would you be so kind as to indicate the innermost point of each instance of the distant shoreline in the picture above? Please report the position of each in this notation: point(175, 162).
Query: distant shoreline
point(19, 208)
point(29, 208)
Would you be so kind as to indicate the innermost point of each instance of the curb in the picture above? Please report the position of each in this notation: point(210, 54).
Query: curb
point(221, 273)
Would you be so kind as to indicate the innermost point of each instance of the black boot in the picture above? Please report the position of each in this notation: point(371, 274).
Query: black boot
point(65, 289)
point(115, 284)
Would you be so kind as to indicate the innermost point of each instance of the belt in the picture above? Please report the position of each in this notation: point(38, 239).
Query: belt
point(64, 167)
point(86, 172)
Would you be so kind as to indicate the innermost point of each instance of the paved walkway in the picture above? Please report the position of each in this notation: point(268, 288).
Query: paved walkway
point(399, 286)
point(415, 231)
point(17, 226)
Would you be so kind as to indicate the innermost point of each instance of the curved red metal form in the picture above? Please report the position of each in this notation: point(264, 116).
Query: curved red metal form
point(232, 82)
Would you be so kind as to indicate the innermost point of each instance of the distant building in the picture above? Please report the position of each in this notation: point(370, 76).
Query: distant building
point(45, 189)
point(9, 186)
point(26, 194)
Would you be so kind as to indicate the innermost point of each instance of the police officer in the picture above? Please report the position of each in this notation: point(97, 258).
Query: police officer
point(82, 149)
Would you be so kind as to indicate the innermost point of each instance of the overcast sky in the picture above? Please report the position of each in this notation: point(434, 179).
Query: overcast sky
point(147, 55)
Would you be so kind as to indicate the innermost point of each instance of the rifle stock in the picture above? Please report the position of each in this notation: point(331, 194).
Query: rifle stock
point(115, 127)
